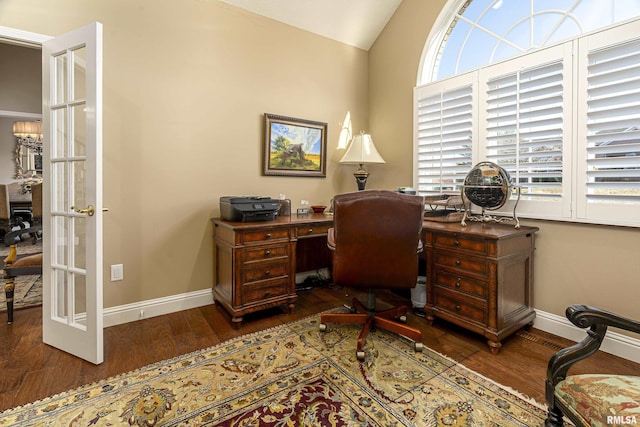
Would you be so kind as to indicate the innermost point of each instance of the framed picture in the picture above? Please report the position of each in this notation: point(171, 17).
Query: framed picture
point(294, 147)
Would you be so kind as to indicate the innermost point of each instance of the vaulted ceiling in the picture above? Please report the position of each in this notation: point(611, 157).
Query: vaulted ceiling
point(354, 22)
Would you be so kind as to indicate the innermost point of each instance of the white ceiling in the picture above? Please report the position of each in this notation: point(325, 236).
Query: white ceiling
point(354, 22)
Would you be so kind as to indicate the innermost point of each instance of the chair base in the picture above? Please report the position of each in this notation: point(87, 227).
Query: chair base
point(369, 319)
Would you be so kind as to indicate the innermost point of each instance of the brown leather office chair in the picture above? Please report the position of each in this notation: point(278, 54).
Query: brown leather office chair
point(375, 241)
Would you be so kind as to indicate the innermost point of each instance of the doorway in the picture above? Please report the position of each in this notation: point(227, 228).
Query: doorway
point(20, 101)
point(72, 195)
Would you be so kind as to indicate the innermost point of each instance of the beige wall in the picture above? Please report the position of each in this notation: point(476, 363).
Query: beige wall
point(20, 81)
point(575, 263)
point(186, 84)
point(20, 91)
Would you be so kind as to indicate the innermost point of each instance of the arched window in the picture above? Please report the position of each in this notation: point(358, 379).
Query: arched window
point(548, 89)
point(482, 32)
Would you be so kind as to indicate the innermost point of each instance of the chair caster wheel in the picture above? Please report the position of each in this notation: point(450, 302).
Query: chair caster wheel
point(418, 347)
point(360, 355)
point(322, 327)
point(403, 319)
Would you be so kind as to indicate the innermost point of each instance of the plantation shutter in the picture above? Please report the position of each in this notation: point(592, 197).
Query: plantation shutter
point(444, 129)
point(524, 128)
point(613, 124)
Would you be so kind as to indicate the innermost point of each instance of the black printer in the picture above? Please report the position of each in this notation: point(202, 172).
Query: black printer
point(248, 209)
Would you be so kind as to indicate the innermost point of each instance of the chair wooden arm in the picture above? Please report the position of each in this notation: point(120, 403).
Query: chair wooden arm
point(597, 321)
point(14, 236)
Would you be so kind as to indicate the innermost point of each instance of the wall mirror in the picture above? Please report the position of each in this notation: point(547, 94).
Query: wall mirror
point(28, 153)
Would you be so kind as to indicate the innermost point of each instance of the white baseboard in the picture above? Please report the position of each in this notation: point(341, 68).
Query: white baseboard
point(156, 307)
point(614, 342)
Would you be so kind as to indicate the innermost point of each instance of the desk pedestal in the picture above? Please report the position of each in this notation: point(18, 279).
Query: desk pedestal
point(480, 277)
point(255, 263)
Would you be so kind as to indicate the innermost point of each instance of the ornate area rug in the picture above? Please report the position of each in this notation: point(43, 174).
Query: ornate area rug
point(28, 289)
point(292, 375)
point(27, 292)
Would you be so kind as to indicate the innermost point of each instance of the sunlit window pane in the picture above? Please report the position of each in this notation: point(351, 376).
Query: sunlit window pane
point(487, 31)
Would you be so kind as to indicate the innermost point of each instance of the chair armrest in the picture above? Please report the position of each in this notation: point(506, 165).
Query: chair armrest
point(331, 239)
point(13, 237)
point(597, 321)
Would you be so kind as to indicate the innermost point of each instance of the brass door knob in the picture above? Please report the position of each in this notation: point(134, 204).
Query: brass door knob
point(89, 210)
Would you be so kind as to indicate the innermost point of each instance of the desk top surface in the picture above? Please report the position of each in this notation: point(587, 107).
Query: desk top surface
point(281, 221)
point(474, 228)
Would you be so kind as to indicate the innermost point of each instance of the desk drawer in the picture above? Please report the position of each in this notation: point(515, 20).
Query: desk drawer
point(452, 241)
point(265, 235)
point(261, 253)
point(312, 230)
point(460, 283)
point(265, 271)
point(460, 307)
point(461, 263)
point(260, 291)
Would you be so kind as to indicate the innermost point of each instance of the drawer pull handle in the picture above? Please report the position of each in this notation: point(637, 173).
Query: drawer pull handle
point(311, 231)
point(266, 294)
point(456, 243)
point(457, 308)
point(267, 253)
point(458, 283)
point(267, 273)
point(458, 262)
point(268, 236)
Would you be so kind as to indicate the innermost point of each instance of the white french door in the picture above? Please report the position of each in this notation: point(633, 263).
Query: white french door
point(72, 197)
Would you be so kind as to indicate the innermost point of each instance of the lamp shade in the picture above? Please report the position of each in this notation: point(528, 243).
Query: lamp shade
point(27, 129)
point(361, 151)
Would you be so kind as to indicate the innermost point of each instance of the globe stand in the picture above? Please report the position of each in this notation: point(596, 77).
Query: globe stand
point(487, 186)
point(485, 216)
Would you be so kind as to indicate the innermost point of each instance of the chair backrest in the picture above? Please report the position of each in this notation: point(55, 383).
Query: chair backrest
point(376, 235)
point(16, 194)
point(36, 203)
point(5, 206)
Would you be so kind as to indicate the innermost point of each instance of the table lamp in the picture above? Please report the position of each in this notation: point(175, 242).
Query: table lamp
point(361, 151)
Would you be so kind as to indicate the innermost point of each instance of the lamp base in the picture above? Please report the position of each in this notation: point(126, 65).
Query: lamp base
point(361, 177)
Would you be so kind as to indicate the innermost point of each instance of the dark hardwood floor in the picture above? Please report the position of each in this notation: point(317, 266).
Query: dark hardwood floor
point(31, 370)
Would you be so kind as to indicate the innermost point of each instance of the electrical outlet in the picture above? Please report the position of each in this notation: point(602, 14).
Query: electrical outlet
point(117, 272)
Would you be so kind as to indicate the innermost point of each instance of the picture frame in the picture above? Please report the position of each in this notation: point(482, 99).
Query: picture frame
point(294, 147)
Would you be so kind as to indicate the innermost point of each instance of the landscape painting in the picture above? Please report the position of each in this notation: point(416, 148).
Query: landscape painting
point(294, 147)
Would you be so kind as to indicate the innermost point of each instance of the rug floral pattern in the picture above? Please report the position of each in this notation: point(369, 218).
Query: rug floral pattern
point(293, 375)
point(28, 289)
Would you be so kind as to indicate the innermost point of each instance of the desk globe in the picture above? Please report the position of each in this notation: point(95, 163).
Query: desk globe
point(487, 186)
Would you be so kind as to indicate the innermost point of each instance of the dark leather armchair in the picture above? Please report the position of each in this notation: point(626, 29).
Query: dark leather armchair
point(375, 242)
point(591, 399)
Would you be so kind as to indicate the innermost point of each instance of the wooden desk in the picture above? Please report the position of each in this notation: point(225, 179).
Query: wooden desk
point(256, 262)
point(479, 276)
